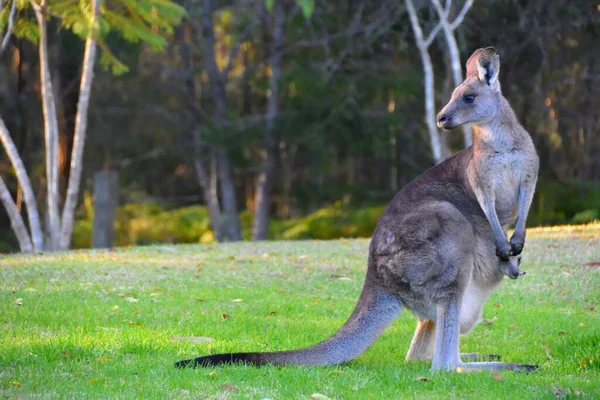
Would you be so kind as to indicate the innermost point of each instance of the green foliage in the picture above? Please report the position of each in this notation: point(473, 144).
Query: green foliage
point(307, 7)
point(148, 223)
point(565, 202)
point(137, 21)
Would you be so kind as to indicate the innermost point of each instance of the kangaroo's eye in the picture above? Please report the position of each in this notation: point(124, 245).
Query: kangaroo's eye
point(468, 98)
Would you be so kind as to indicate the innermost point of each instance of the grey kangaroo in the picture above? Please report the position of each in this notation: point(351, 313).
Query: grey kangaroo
point(440, 248)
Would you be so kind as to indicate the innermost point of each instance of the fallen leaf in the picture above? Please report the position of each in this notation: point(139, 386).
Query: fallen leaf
point(224, 316)
point(592, 264)
point(237, 300)
point(16, 384)
point(132, 299)
point(272, 314)
point(421, 379)
point(490, 322)
point(345, 278)
point(319, 396)
point(103, 359)
point(192, 339)
point(548, 351)
point(229, 387)
point(496, 376)
point(212, 374)
point(66, 355)
point(562, 333)
point(19, 302)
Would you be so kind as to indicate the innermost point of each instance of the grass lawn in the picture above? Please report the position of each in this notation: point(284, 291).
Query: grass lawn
point(110, 324)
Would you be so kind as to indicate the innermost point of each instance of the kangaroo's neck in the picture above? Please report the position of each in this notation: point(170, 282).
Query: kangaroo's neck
point(501, 134)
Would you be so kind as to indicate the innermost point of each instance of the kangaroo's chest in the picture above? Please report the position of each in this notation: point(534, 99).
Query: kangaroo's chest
point(504, 174)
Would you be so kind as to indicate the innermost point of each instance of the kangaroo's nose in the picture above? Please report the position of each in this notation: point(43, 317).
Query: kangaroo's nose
point(442, 118)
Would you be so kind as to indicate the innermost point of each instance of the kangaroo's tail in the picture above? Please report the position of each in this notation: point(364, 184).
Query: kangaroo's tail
point(375, 310)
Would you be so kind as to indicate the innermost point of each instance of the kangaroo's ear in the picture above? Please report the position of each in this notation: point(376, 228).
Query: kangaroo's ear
point(472, 63)
point(488, 67)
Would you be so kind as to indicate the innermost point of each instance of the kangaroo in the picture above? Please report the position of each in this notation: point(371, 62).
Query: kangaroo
point(440, 247)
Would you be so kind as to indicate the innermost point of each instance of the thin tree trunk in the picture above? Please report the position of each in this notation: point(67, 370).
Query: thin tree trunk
point(230, 218)
point(436, 146)
point(81, 121)
point(35, 226)
point(16, 221)
point(264, 185)
point(455, 64)
point(212, 202)
point(50, 128)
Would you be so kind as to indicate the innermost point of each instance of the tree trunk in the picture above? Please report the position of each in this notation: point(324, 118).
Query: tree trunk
point(264, 185)
point(50, 129)
point(230, 218)
point(437, 150)
point(16, 221)
point(81, 121)
point(212, 202)
point(204, 178)
point(32, 211)
point(455, 64)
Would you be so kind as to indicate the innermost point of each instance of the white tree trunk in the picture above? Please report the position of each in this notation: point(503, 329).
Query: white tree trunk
point(81, 120)
point(455, 64)
point(434, 136)
point(50, 128)
point(16, 221)
point(35, 226)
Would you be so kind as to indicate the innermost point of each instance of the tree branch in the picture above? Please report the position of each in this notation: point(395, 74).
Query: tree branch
point(9, 26)
point(459, 18)
point(236, 47)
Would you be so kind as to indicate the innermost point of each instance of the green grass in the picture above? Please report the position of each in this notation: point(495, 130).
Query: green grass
point(109, 324)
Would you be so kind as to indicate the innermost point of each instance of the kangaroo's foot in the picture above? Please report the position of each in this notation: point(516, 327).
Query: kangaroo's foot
point(499, 366)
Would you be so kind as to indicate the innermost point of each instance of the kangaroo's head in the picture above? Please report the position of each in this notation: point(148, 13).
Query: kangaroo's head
point(476, 101)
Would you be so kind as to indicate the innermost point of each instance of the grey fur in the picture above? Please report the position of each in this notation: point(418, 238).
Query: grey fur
point(434, 248)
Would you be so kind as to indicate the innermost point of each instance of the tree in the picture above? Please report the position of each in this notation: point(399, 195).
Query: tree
point(439, 147)
point(81, 122)
point(206, 177)
point(84, 20)
point(455, 64)
point(264, 184)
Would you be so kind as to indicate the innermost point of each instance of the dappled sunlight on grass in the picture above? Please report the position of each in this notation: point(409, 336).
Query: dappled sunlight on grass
point(110, 323)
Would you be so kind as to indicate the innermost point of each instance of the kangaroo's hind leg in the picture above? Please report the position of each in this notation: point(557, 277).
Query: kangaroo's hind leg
point(423, 345)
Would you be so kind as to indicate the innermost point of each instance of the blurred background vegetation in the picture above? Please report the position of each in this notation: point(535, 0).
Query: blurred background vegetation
point(344, 132)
